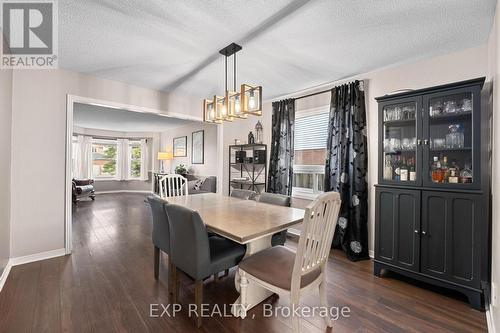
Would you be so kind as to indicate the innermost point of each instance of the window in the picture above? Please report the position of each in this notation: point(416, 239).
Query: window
point(311, 133)
point(104, 154)
point(134, 159)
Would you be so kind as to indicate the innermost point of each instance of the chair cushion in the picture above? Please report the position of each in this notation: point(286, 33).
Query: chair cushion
point(275, 266)
point(84, 189)
point(224, 253)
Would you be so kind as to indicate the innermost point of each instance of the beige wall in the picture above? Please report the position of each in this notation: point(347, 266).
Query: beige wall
point(38, 162)
point(466, 64)
point(494, 73)
point(210, 165)
point(5, 164)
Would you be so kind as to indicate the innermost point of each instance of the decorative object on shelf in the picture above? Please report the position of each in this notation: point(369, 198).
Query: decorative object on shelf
point(251, 139)
point(198, 147)
point(259, 156)
point(180, 146)
point(259, 132)
point(240, 156)
point(164, 156)
point(181, 170)
point(236, 103)
point(455, 139)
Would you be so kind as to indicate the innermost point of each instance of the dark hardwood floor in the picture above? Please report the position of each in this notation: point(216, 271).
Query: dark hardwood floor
point(107, 285)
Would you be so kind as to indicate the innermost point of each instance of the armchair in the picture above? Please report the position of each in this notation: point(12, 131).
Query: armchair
point(83, 188)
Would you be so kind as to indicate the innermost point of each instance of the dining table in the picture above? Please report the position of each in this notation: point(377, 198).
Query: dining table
point(247, 222)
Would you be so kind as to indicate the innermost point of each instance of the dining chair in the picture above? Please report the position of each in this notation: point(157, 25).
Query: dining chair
point(196, 254)
point(278, 238)
point(161, 236)
point(284, 272)
point(173, 186)
point(243, 194)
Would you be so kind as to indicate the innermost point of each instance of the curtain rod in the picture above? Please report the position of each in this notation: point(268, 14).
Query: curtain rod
point(103, 137)
point(329, 90)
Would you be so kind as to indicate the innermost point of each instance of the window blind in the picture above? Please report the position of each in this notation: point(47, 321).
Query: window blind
point(311, 132)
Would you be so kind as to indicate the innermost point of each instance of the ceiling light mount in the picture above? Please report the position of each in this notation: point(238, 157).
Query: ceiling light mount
point(234, 104)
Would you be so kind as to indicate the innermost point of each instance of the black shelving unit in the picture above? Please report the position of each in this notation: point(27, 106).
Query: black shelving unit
point(427, 228)
point(255, 170)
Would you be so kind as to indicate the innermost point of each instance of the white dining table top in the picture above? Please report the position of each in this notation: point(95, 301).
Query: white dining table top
point(240, 220)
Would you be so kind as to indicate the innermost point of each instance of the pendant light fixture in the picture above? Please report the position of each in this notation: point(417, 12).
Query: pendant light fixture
point(234, 104)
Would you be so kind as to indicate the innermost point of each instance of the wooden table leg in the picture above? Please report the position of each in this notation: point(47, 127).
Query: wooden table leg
point(255, 293)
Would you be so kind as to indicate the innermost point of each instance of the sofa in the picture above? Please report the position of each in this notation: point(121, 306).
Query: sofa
point(83, 188)
point(200, 184)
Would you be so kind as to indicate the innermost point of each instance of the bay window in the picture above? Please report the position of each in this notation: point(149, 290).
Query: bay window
point(134, 159)
point(104, 157)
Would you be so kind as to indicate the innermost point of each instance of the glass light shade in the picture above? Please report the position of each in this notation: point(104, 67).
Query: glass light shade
point(209, 112)
point(251, 99)
point(165, 156)
point(221, 108)
point(234, 105)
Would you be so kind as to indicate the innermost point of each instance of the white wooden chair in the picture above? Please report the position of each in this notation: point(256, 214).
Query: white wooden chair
point(173, 186)
point(284, 272)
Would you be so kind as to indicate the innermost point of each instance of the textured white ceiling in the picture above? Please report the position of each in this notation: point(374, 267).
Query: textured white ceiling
point(103, 118)
point(288, 45)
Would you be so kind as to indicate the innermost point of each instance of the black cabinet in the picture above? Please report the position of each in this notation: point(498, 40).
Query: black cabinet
point(433, 226)
point(397, 222)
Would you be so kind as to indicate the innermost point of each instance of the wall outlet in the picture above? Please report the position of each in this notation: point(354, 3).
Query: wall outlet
point(494, 294)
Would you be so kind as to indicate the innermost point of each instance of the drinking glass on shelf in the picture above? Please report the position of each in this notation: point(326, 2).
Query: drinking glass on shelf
point(398, 113)
point(455, 139)
point(405, 144)
point(450, 107)
point(439, 143)
point(436, 109)
point(466, 105)
point(413, 143)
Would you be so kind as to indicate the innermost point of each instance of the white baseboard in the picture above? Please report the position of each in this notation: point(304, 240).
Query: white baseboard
point(490, 321)
point(37, 257)
point(5, 273)
point(27, 259)
point(123, 191)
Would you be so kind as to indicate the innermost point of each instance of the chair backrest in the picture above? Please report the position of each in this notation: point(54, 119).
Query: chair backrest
point(275, 199)
point(320, 220)
point(161, 228)
point(173, 186)
point(189, 246)
point(243, 194)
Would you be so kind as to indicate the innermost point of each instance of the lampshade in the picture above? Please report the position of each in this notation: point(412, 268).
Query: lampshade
point(251, 99)
point(165, 156)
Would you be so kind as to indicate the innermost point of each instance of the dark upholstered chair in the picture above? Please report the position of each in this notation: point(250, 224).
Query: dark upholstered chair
point(243, 194)
point(280, 200)
point(83, 188)
point(196, 254)
point(160, 235)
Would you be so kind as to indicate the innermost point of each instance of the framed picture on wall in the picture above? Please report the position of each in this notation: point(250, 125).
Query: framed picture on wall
point(198, 147)
point(180, 146)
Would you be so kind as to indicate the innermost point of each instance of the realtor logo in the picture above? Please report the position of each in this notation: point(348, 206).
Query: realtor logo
point(29, 34)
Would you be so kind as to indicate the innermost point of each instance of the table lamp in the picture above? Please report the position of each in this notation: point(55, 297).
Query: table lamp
point(164, 156)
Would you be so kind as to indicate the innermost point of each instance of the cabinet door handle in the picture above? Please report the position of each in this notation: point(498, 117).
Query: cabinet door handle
point(426, 142)
point(419, 142)
point(423, 232)
point(416, 231)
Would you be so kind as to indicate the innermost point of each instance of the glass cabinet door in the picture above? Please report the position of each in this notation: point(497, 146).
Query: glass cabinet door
point(400, 144)
point(450, 156)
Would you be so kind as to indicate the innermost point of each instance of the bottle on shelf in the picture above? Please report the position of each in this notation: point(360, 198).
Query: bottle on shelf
point(388, 168)
point(445, 170)
point(403, 171)
point(454, 173)
point(436, 172)
point(397, 168)
point(412, 172)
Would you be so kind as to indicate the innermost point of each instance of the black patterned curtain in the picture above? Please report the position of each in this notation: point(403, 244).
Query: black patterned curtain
point(280, 177)
point(346, 168)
